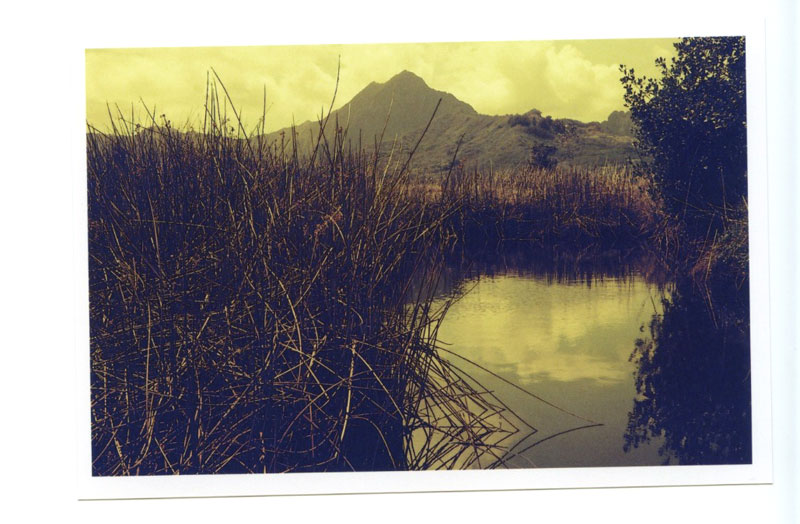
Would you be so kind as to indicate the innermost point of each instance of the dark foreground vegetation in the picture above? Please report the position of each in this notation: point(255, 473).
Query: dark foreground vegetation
point(249, 310)
point(255, 308)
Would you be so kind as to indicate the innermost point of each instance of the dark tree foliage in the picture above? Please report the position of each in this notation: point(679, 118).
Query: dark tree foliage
point(692, 123)
point(543, 156)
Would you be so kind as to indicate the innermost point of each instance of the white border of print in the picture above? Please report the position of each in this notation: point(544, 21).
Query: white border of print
point(334, 483)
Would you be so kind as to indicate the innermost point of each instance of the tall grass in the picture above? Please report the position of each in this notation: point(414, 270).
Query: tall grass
point(249, 307)
point(574, 206)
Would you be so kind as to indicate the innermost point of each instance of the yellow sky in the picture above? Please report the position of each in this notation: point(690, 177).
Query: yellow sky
point(566, 79)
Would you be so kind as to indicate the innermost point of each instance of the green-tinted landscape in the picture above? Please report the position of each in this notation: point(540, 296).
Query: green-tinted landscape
point(407, 283)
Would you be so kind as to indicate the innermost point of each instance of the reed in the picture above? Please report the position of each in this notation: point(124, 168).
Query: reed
point(249, 306)
point(607, 206)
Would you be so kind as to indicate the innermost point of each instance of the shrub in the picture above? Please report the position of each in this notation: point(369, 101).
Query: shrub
point(691, 122)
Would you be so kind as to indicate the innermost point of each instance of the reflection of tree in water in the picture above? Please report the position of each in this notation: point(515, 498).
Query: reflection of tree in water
point(693, 380)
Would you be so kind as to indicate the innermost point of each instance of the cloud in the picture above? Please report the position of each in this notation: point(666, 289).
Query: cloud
point(564, 79)
point(580, 86)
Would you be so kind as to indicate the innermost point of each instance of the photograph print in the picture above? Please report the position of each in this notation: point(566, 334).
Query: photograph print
point(403, 257)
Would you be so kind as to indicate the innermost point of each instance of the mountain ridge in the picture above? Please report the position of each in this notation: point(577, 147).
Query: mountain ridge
point(400, 108)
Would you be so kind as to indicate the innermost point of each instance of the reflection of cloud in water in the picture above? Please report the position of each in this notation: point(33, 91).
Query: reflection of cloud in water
point(529, 330)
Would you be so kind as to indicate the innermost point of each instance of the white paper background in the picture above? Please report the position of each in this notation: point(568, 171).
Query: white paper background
point(43, 135)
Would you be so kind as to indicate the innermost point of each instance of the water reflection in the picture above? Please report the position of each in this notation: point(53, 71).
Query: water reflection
point(561, 326)
point(693, 380)
point(602, 337)
point(531, 330)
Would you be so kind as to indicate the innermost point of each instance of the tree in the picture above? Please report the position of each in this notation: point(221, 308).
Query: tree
point(543, 156)
point(692, 124)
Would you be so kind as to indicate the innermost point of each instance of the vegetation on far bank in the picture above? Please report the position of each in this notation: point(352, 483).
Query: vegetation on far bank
point(691, 122)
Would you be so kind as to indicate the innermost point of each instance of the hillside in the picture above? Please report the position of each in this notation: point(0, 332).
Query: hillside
point(405, 103)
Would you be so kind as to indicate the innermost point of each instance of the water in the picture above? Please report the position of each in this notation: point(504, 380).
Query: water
point(599, 359)
point(568, 342)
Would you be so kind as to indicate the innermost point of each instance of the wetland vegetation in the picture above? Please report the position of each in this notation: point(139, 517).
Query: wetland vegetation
point(260, 304)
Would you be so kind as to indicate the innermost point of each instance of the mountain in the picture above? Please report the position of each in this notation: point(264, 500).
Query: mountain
point(408, 102)
point(404, 105)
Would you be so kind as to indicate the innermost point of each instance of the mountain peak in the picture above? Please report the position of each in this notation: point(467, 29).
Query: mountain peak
point(405, 76)
point(407, 81)
point(408, 100)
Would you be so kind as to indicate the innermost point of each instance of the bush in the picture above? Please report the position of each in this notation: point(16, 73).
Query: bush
point(543, 156)
point(692, 123)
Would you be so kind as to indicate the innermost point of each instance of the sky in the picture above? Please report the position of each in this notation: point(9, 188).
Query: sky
point(564, 79)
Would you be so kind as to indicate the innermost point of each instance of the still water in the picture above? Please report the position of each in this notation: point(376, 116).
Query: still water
point(554, 346)
point(567, 342)
point(596, 360)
